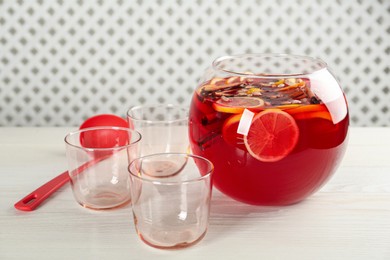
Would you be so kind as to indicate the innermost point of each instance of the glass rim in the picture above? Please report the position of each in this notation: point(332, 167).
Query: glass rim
point(139, 107)
point(215, 63)
point(78, 132)
point(157, 182)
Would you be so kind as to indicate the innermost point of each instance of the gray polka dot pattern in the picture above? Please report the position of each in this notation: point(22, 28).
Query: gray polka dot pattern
point(63, 61)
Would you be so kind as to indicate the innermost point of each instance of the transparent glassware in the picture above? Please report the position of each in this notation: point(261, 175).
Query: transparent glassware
point(98, 158)
point(164, 129)
point(171, 211)
point(274, 125)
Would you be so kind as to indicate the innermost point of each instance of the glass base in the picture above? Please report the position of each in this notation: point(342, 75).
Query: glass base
point(104, 201)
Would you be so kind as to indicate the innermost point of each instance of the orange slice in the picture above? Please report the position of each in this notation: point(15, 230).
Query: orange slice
point(310, 111)
point(273, 134)
point(307, 108)
point(288, 106)
point(319, 114)
point(236, 105)
point(229, 131)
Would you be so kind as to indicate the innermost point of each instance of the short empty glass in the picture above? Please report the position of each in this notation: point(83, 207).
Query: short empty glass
point(98, 159)
point(171, 211)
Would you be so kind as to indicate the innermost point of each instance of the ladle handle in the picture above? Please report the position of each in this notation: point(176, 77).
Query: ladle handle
point(35, 198)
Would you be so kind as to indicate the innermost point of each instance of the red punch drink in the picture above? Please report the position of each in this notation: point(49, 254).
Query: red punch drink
point(274, 138)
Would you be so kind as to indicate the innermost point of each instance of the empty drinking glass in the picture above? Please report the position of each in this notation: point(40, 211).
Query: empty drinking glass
point(164, 129)
point(98, 159)
point(171, 211)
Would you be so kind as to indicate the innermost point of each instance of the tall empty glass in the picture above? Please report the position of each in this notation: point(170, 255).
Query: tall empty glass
point(171, 211)
point(164, 129)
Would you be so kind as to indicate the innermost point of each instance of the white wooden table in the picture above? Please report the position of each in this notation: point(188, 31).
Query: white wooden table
point(349, 218)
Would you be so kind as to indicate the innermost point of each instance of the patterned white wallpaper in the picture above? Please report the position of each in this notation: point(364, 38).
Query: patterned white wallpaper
point(62, 61)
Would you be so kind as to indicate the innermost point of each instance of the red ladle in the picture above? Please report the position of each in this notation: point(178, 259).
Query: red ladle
point(35, 198)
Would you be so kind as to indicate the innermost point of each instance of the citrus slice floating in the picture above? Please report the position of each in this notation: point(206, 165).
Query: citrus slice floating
point(310, 111)
point(307, 109)
point(324, 115)
point(272, 136)
point(229, 132)
point(236, 105)
point(288, 106)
